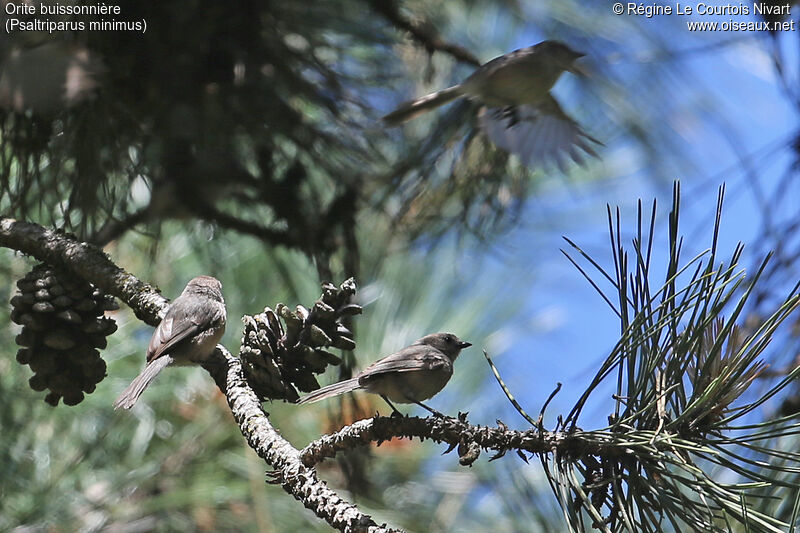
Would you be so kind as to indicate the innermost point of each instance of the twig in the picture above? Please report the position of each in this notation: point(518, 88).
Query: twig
point(508, 394)
point(426, 38)
point(450, 430)
point(85, 261)
point(546, 403)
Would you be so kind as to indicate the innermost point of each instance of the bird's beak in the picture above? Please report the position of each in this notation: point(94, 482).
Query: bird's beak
point(463, 344)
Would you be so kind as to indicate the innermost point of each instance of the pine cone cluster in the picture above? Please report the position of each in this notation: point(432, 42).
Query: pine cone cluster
point(283, 349)
point(63, 328)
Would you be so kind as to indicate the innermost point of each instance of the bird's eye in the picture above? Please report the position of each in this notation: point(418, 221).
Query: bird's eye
point(450, 338)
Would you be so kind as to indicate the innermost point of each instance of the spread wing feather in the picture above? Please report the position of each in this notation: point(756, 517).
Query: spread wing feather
point(539, 135)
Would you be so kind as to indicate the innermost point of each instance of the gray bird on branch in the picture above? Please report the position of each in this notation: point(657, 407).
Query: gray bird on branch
point(188, 333)
point(415, 373)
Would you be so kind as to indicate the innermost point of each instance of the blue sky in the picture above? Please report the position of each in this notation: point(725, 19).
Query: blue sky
point(724, 109)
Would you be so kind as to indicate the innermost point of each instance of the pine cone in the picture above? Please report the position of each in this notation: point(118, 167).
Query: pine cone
point(283, 349)
point(62, 329)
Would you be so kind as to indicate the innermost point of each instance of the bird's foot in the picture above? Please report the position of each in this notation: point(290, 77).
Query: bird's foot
point(431, 410)
point(510, 115)
point(395, 412)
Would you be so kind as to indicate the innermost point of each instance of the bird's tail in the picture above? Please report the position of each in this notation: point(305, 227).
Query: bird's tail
point(422, 105)
point(140, 382)
point(331, 390)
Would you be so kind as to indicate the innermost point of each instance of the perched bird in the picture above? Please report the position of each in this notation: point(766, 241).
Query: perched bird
point(415, 373)
point(189, 332)
point(518, 113)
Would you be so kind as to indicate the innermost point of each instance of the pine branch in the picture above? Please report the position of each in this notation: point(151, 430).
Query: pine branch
point(420, 33)
point(296, 478)
point(85, 261)
point(682, 369)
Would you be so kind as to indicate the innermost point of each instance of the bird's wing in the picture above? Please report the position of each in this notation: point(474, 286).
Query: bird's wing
point(409, 359)
point(539, 135)
point(175, 327)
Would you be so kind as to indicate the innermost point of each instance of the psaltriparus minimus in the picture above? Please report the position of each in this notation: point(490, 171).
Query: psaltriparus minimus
point(189, 332)
point(520, 114)
point(415, 373)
